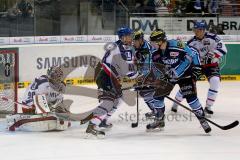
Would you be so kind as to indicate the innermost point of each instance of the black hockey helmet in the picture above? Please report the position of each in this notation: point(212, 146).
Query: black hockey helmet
point(138, 35)
point(158, 35)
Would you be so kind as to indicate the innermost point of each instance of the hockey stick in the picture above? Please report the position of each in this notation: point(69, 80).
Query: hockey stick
point(141, 88)
point(40, 103)
point(134, 125)
point(227, 127)
point(12, 101)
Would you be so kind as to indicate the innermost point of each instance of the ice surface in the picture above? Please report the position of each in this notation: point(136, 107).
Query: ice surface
point(182, 138)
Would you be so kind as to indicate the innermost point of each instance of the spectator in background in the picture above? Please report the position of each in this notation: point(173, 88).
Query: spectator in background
point(25, 8)
point(213, 6)
point(216, 29)
point(145, 6)
point(196, 6)
point(161, 6)
point(179, 7)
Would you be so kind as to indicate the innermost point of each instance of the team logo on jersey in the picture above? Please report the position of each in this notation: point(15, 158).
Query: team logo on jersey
point(174, 54)
point(206, 42)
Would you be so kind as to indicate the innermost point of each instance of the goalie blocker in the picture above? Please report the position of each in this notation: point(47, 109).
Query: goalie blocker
point(42, 120)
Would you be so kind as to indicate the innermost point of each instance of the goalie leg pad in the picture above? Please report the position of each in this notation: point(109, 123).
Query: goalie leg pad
point(36, 123)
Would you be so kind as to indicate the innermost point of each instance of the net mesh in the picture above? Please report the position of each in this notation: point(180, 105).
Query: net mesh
point(8, 80)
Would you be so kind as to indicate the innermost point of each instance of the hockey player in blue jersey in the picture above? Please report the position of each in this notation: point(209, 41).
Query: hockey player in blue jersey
point(177, 59)
point(211, 49)
point(143, 54)
point(116, 64)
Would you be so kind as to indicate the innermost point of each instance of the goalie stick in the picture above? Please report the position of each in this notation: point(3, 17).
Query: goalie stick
point(227, 127)
point(12, 101)
point(40, 103)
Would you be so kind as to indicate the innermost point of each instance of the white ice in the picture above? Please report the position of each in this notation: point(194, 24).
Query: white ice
point(182, 138)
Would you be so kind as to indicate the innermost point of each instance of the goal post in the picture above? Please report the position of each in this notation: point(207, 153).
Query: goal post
point(8, 79)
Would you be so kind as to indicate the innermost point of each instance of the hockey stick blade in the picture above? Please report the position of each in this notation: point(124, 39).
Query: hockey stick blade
point(230, 126)
point(134, 125)
point(227, 127)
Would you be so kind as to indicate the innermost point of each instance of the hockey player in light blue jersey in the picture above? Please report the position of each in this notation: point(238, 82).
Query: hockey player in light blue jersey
point(211, 49)
point(117, 63)
point(177, 59)
point(143, 56)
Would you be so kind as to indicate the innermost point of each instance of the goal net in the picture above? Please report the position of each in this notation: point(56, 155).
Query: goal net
point(8, 80)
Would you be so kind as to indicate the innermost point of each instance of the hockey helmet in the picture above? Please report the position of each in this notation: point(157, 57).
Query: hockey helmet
point(55, 73)
point(200, 25)
point(138, 35)
point(158, 35)
point(123, 31)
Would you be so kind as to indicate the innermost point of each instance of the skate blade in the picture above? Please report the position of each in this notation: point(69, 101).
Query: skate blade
point(155, 130)
point(150, 118)
point(105, 129)
point(208, 115)
point(91, 136)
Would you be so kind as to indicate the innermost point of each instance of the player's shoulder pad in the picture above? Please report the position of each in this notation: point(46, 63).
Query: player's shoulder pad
point(110, 46)
point(147, 45)
point(191, 40)
point(213, 37)
point(42, 79)
point(176, 43)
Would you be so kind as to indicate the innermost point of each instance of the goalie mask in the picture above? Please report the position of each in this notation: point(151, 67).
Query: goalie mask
point(55, 75)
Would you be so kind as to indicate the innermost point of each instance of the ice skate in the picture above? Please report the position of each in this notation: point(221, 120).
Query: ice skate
point(208, 111)
point(93, 132)
point(157, 125)
point(105, 125)
point(150, 115)
point(200, 114)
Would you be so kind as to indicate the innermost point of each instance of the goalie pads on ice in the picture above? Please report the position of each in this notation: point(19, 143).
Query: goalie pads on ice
point(40, 122)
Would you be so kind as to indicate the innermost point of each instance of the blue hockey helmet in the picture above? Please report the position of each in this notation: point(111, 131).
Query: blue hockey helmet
point(200, 25)
point(123, 31)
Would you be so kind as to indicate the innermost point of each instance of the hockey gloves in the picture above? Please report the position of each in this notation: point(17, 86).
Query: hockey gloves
point(196, 72)
point(212, 58)
point(172, 75)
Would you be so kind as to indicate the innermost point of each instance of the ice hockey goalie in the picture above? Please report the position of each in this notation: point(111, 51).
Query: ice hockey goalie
point(42, 99)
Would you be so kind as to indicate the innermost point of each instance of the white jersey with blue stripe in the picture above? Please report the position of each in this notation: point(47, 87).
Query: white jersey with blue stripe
point(118, 61)
point(41, 85)
point(211, 43)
